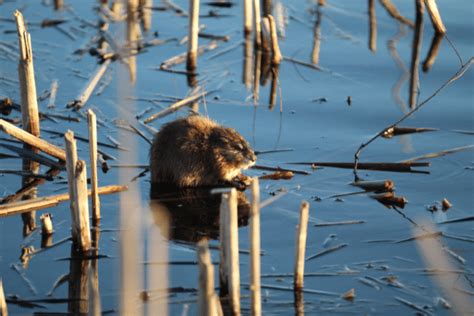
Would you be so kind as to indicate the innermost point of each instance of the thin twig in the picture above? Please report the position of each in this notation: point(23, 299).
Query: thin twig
point(455, 77)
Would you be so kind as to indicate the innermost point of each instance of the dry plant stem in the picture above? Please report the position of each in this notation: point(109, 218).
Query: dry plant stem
point(181, 58)
point(29, 104)
point(86, 92)
point(79, 206)
point(93, 165)
point(254, 231)
point(176, 106)
point(440, 153)
point(3, 303)
point(247, 17)
point(232, 245)
point(455, 77)
point(415, 57)
point(191, 61)
point(276, 53)
point(377, 185)
point(247, 64)
point(382, 166)
point(28, 188)
point(49, 201)
point(432, 9)
point(316, 37)
point(326, 251)
point(267, 168)
point(31, 140)
point(301, 246)
point(32, 155)
point(392, 10)
point(257, 22)
point(58, 5)
point(372, 27)
point(207, 297)
point(46, 224)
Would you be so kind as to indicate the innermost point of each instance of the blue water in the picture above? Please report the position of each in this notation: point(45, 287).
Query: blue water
point(328, 131)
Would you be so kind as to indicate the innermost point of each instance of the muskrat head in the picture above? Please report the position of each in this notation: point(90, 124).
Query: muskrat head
point(231, 148)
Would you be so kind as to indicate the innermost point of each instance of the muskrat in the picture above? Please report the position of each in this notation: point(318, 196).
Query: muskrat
point(196, 151)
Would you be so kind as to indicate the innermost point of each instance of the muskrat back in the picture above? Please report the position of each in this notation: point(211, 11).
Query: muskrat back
point(196, 151)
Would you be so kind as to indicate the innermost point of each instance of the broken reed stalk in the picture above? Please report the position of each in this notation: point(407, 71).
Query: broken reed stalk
point(372, 27)
point(3, 303)
point(380, 166)
point(316, 37)
point(91, 117)
point(86, 92)
point(146, 13)
point(248, 63)
point(276, 53)
point(392, 10)
point(176, 106)
point(256, 76)
point(415, 57)
point(26, 72)
point(232, 250)
point(257, 21)
point(435, 17)
point(376, 185)
point(191, 62)
point(301, 246)
point(207, 299)
point(77, 182)
point(46, 224)
point(23, 206)
point(181, 58)
point(31, 140)
point(58, 5)
point(29, 106)
point(247, 17)
point(255, 296)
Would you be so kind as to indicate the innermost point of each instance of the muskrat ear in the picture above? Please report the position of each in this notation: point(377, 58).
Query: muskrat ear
point(219, 136)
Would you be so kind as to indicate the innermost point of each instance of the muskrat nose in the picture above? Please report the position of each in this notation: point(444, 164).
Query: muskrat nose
point(252, 157)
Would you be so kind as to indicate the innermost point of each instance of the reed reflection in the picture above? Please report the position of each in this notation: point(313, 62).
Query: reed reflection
point(415, 56)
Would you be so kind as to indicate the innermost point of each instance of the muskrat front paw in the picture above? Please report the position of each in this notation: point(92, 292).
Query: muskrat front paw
point(241, 182)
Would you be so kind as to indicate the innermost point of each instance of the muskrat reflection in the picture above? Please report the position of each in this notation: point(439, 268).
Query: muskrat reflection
point(193, 212)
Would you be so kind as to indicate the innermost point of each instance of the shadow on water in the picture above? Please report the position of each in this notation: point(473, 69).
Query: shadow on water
point(193, 212)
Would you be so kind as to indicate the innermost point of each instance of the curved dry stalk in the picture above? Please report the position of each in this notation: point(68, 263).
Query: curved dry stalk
point(455, 77)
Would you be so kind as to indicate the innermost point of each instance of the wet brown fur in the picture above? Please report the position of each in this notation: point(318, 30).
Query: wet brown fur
point(196, 151)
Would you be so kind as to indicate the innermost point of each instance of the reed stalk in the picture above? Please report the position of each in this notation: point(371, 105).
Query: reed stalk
point(91, 117)
point(191, 62)
point(254, 231)
point(301, 246)
point(77, 180)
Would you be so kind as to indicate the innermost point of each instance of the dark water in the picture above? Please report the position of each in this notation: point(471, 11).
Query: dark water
point(328, 131)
